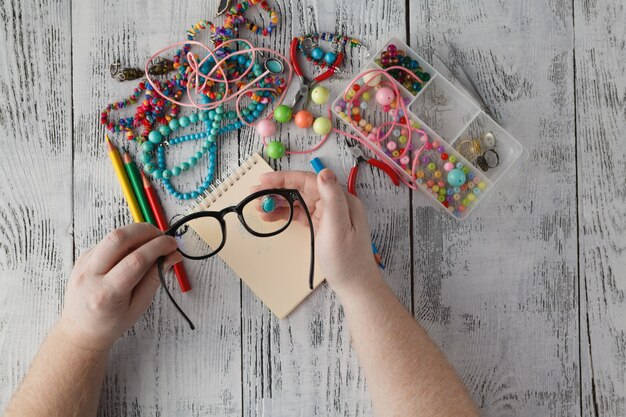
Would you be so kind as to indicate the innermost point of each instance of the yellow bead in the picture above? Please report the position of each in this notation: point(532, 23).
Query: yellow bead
point(355, 111)
point(437, 174)
point(482, 185)
point(471, 197)
point(435, 188)
point(369, 127)
point(419, 174)
point(402, 139)
point(366, 96)
point(395, 154)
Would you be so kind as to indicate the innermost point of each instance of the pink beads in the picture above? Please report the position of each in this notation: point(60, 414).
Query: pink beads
point(385, 96)
point(448, 166)
point(266, 128)
point(392, 146)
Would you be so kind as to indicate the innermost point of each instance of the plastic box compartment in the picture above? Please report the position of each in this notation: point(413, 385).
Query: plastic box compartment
point(451, 120)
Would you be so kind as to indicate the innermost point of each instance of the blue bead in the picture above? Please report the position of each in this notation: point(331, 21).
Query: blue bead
point(203, 115)
point(146, 157)
point(219, 110)
point(157, 173)
point(165, 130)
point(330, 58)
point(176, 171)
point(204, 99)
point(166, 173)
point(212, 157)
point(194, 194)
point(193, 118)
point(199, 154)
point(147, 146)
point(186, 196)
point(174, 124)
point(155, 137)
point(149, 168)
point(317, 53)
point(184, 121)
point(268, 203)
point(193, 161)
point(184, 166)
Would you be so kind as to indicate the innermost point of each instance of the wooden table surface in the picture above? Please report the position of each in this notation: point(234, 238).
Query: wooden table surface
point(526, 299)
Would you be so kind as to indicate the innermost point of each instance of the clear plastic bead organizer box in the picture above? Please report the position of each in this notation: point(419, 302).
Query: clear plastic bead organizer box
point(467, 155)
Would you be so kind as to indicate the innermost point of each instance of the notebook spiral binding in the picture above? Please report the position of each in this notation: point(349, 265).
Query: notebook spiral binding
point(229, 178)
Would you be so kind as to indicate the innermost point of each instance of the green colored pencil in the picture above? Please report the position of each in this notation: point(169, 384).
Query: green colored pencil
point(137, 184)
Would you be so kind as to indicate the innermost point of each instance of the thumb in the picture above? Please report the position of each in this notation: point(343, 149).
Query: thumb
point(335, 206)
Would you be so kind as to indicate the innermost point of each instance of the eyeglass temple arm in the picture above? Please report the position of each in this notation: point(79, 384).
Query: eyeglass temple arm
point(312, 263)
point(164, 286)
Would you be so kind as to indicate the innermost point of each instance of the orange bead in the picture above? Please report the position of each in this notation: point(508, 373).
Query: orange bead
point(304, 119)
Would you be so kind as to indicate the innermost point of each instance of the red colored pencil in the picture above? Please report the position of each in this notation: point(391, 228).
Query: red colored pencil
point(153, 199)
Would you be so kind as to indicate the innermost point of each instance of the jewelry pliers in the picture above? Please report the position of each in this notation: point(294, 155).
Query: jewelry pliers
point(358, 155)
point(305, 85)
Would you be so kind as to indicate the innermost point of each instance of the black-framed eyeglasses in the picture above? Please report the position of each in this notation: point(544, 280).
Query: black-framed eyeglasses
point(265, 213)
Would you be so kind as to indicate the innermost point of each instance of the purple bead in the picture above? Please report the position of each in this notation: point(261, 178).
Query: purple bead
point(450, 198)
point(441, 149)
point(406, 100)
point(342, 103)
point(392, 48)
point(425, 160)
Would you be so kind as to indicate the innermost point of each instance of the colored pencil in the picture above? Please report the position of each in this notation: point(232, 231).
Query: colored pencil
point(161, 221)
point(127, 189)
point(136, 183)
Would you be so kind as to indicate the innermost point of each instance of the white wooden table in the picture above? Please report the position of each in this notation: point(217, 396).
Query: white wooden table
point(527, 300)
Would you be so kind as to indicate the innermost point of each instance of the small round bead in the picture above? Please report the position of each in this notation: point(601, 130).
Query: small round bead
point(320, 95)
point(184, 121)
point(155, 137)
point(275, 149)
point(322, 126)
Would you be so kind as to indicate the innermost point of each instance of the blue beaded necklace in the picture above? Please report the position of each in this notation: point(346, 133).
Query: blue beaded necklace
point(161, 138)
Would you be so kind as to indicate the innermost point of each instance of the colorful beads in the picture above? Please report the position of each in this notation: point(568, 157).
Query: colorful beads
point(304, 119)
point(394, 57)
point(282, 113)
point(322, 126)
point(320, 95)
point(275, 149)
point(266, 128)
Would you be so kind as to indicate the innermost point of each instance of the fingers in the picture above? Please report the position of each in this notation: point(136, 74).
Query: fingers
point(358, 217)
point(287, 179)
point(129, 271)
point(336, 214)
point(118, 243)
point(146, 288)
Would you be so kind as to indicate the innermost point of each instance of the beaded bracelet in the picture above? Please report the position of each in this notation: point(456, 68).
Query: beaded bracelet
point(308, 46)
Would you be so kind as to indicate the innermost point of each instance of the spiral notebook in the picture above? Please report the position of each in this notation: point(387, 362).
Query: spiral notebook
point(275, 268)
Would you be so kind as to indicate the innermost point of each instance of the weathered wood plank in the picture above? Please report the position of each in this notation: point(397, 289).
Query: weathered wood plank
point(304, 364)
point(36, 205)
point(600, 125)
point(498, 292)
point(161, 367)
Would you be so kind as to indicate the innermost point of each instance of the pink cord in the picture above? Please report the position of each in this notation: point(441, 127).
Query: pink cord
point(196, 73)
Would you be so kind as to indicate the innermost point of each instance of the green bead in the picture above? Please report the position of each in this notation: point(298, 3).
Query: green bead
point(184, 166)
point(203, 115)
point(175, 171)
point(184, 121)
point(282, 114)
point(212, 114)
point(275, 149)
point(199, 154)
point(231, 115)
point(212, 138)
point(193, 161)
point(146, 157)
point(174, 124)
point(165, 130)
point(219, 117)
point(219, 110)
point(193, 118)
point(157, 173)
point(147, 146)
point(167, 173)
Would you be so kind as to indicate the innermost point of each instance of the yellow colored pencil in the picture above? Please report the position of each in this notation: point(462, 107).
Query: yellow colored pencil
point(127, 189)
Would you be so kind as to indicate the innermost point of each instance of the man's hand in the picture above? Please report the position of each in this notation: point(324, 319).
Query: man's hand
point(343, 244)
point(113, 283)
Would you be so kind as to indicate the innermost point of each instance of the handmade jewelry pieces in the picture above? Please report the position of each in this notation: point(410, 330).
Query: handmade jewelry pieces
point(481, 151)
point(309, 47)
